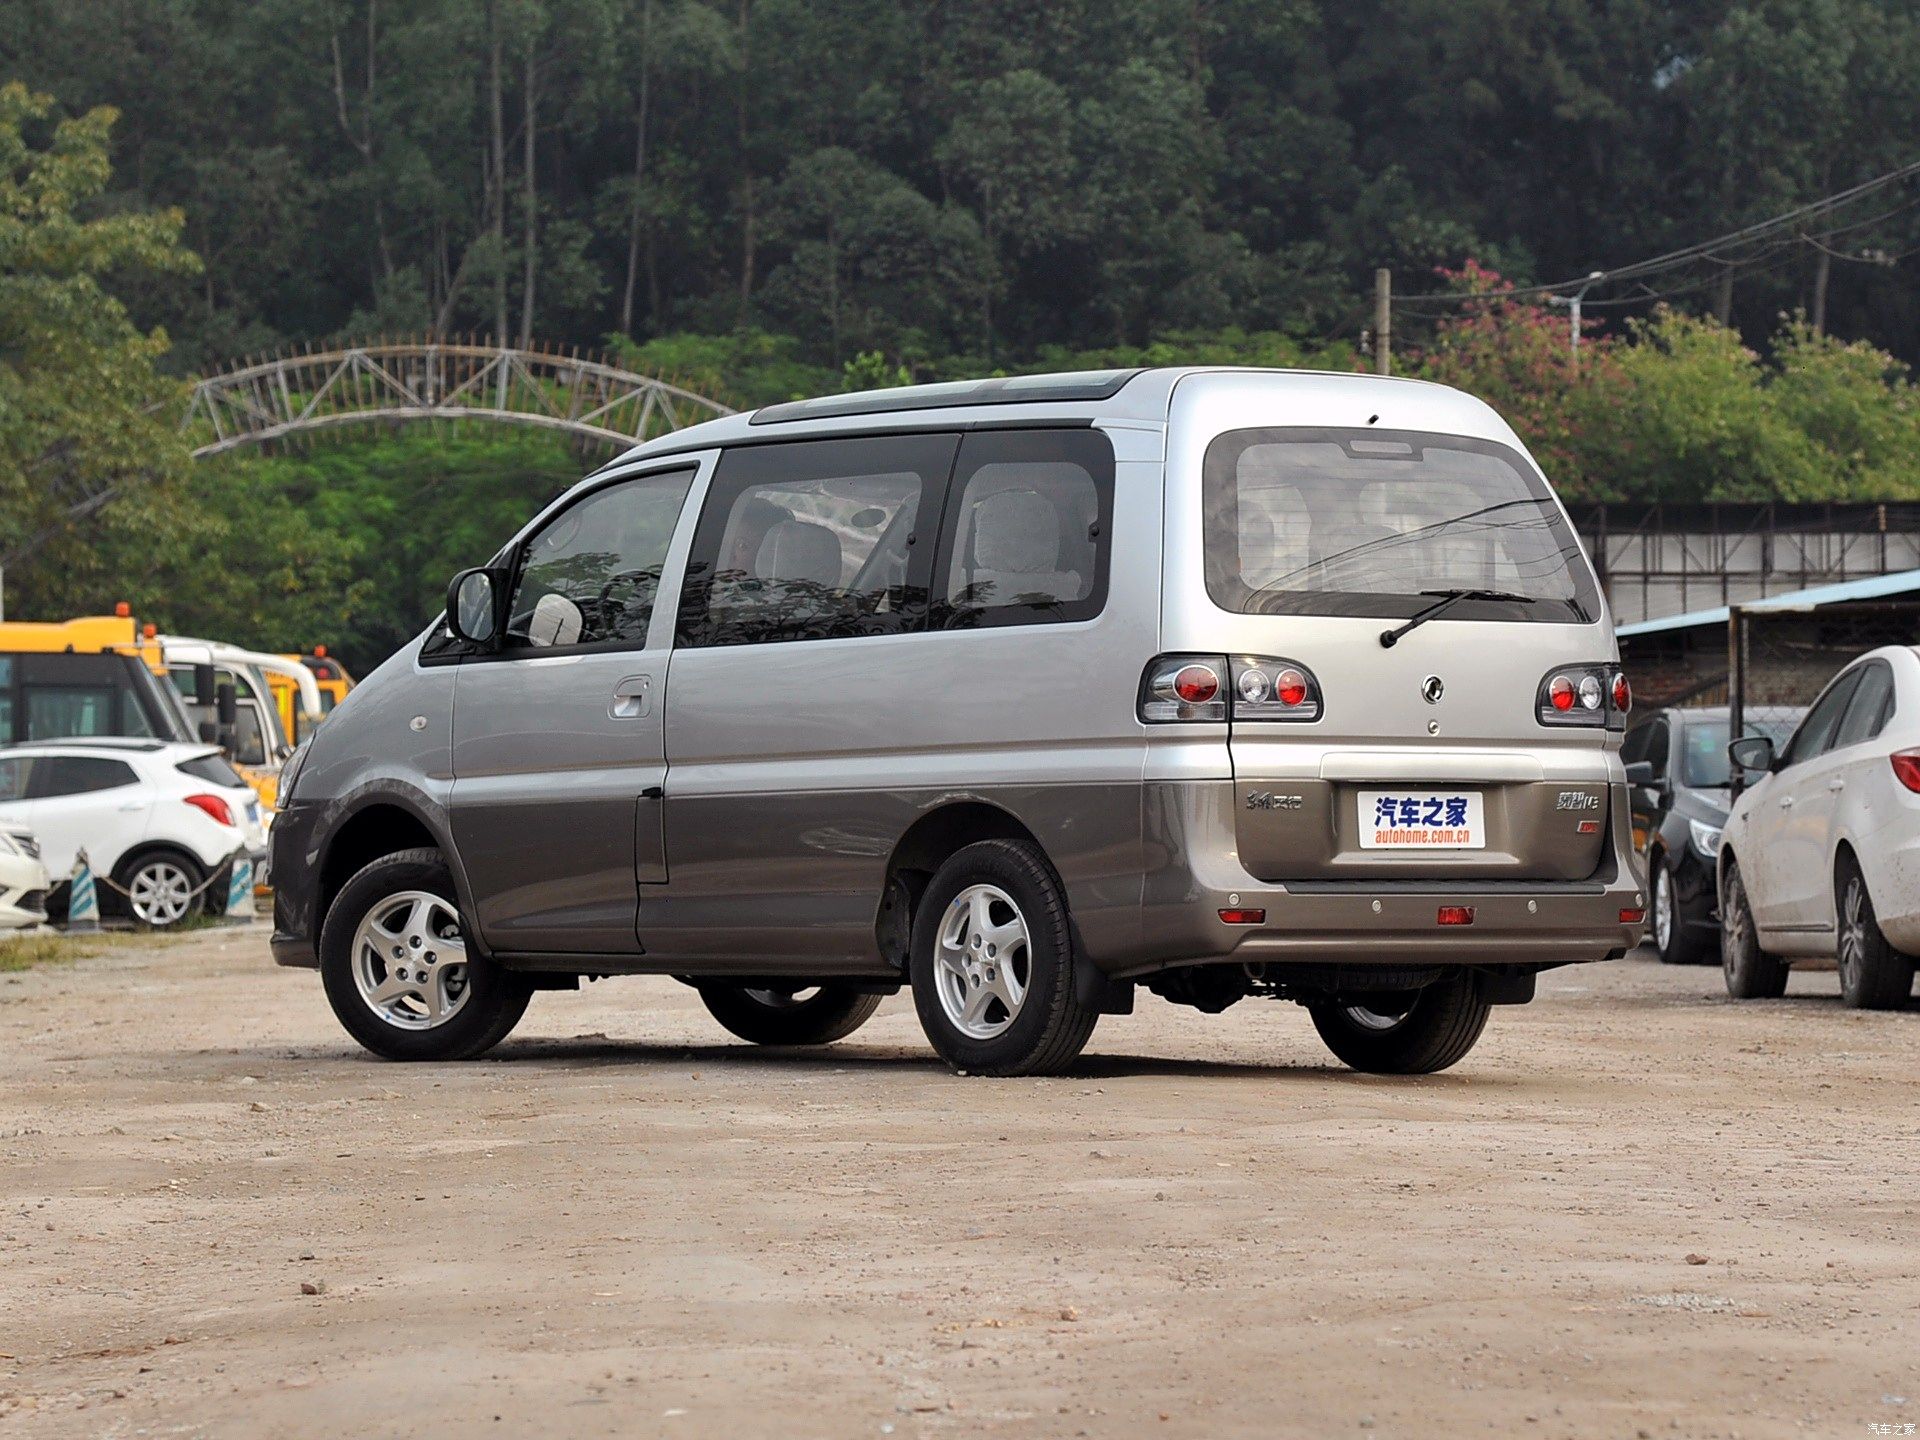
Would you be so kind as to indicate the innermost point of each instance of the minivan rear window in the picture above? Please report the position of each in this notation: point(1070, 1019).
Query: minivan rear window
point(1377, 522)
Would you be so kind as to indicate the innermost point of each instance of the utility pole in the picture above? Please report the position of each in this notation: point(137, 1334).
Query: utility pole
point(1573, 303)
point(1383, 321)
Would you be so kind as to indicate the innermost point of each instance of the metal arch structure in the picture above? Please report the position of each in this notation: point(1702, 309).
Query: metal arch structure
point(295, 395)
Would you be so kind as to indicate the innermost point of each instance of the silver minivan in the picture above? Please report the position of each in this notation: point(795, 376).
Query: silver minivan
point(1022, 693)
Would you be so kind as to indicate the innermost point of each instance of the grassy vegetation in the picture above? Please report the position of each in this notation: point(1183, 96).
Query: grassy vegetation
point(26, 951)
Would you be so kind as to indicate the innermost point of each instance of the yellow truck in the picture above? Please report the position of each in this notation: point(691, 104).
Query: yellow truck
point(96, 675)
point(329, 675)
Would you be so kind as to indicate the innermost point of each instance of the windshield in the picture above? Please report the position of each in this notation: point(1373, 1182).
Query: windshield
point(1703, 761)
point(1377, 522)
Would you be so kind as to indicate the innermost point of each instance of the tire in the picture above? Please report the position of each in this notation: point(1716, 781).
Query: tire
point(1417, 1033)
point(1682, 944)
point(482, 1001)
point(1750, 972)
point(157, 879)
point(778, 1017)
point(1873, 975)
point(1016, 982)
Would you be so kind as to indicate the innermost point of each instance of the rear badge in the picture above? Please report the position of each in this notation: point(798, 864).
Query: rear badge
point(1432, 688)
point(1577, 800)
point(1267, 800)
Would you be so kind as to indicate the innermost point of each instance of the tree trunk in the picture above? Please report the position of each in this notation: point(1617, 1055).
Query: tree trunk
point(639, 170)
point(497, 178)
point(746, 168)
point(1723, 297)
point(1822, 274)
point(530, 199)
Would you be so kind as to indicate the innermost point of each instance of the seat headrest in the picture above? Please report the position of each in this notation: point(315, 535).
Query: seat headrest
point(1016, 531)
point(799, 550)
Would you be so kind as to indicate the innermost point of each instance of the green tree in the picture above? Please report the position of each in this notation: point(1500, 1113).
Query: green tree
point(84, 409)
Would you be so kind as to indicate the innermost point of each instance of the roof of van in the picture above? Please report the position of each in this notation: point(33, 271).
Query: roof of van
point(1143, 394)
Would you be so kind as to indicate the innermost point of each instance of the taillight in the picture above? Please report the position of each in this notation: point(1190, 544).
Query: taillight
point(1585, 695)
point(1214, 687)
point(1906, 768)
point(214, 807)
point(1265, 689)
point(1456, 915)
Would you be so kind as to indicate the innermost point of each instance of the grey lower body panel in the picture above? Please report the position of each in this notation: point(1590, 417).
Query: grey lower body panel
point(1195, 872)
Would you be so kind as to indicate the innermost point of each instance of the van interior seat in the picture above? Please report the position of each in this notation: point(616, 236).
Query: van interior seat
point(1016, 550)
point(799, 551)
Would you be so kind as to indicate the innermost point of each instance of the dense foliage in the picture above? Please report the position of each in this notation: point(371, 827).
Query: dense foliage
point(958, 183)
point(770, 198)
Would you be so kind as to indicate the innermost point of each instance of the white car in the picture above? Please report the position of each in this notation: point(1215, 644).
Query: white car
point(1820, 857)
point(23, 879)
point(158, 819)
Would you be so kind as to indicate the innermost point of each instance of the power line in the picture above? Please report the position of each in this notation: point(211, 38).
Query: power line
point(1675, 259)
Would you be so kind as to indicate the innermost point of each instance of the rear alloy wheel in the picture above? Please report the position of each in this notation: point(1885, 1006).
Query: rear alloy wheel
point(992, 964)
point(1415, 1032)
point(1750, 972)
point(161, 889)
point(398, 972)
point(1673, 937)
point(1873, 975)
point(799, 1015)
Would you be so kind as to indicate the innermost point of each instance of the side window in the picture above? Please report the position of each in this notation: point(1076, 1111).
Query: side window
point(1028, 532)
point(590, 576)
point(1868, 712)
point(58, 712)
point(1815, 735)
point(80, 775)
point(14, 775)
point(815, 540)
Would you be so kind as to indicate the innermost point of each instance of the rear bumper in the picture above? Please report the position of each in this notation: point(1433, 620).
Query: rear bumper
point(1194, 872)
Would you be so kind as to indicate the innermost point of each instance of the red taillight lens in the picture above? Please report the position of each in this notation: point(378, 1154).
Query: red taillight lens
point(1244, 917)
point(1456, 915)
point(1632, 917)
point(1196, 684)
point(1561, 693)
point(1906, 768)
point(214, 807)
point(1290, 687)
point(1622, 693)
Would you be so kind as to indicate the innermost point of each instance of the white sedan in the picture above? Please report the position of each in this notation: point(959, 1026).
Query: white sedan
point(23, 879)
point(1820, 858)
point(163, 822)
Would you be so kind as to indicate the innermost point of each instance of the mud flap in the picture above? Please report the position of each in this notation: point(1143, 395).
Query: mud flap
point(1093, 988)
point(1508, 988)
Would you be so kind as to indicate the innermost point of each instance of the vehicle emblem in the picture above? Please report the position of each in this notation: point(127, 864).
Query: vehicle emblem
point(1433, 687)
point(1577, 800)
point(1267, 800)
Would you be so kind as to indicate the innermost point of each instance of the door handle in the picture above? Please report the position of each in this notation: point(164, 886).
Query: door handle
point(632, 698)
point(1836, 785)
point(1786, 802)
point(131, 806)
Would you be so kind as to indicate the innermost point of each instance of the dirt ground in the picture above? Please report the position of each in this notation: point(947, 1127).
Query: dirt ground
point(1636, 1209)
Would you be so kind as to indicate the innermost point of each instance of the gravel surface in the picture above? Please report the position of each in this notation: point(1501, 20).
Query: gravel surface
point(1635, 1209)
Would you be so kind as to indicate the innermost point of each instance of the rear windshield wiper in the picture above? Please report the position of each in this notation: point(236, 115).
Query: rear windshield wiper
point(1448, 599)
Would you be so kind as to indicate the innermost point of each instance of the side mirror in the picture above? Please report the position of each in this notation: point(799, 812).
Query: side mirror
point(1640, 772)
point(473, 606)
point(1751, 752)
point(205, 686)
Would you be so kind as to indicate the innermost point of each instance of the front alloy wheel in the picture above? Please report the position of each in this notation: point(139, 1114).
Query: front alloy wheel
point(399, 973)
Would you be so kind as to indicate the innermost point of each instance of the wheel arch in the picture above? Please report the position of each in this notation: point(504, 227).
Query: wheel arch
point(925, 846)
point(381, 826)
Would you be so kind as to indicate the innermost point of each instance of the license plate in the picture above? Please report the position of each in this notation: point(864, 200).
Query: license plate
point(1422, 820)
